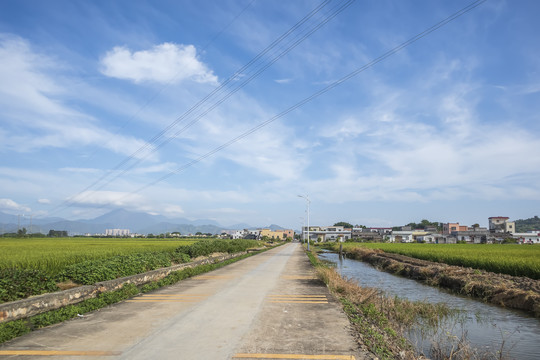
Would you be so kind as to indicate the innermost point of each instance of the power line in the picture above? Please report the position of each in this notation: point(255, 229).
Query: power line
point(324, 90)
point(225, 97)
point(336, 10)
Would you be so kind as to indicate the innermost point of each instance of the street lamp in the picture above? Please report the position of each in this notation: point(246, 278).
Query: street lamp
point(307, 202)
point(303, 225)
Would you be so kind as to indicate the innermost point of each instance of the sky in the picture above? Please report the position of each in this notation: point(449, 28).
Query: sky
point(228, 110)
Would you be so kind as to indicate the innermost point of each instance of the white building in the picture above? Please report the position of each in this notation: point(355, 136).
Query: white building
point(501, 224)
point(326, 233)
point(527, 238)
point(117, 232)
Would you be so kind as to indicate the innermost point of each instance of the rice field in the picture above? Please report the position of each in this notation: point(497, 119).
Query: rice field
point(517, 260)
point(54, 254)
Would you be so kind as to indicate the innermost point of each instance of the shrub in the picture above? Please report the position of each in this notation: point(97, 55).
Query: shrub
point(207, 247)
point(18, 284)
point(93, 271)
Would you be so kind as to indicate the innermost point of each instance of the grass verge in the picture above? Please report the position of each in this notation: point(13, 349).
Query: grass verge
point(13, 329)
point(382, 322)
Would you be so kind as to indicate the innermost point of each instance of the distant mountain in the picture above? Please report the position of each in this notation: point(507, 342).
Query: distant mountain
point(275, 227)
point(240, 226)
point(136, 222)
point(526, 225)
point(123, 219)
point(183, 229)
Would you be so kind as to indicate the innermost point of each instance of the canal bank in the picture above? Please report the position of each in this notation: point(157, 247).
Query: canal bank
point(516, 292)
point(487, 328)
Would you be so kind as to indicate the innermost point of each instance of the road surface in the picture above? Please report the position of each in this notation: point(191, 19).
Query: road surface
point(268, 306)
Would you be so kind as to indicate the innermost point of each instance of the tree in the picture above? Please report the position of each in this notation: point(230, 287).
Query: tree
point(21, 232)
point(344, 224)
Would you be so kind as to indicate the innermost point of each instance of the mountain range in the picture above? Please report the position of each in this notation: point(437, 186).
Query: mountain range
point(136, 222)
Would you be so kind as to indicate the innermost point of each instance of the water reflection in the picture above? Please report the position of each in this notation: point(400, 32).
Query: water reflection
point(487, 326)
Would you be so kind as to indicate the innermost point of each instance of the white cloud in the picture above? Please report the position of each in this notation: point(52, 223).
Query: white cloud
point(44, 201)
point(109, 198)
point(10, 205)
point(163, 63)
point(283, 81)
point(34, 106)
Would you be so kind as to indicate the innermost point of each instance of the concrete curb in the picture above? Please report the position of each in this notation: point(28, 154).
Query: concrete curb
point(24, 308)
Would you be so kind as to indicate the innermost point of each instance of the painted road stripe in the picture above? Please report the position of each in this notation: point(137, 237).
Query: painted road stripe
point(175, 295)
point(298, 302)
point(161, 300)
point(294, 356)
point(57, 353)
point(300, 296)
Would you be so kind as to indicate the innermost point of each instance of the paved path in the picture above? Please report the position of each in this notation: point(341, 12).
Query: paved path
point(268, 306)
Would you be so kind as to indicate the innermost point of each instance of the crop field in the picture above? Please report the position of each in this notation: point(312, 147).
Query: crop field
point(54, 254)
point(35, 266)
point(517, 260)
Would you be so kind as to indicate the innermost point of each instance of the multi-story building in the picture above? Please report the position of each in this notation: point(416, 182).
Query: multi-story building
point(276, 234)
point(501, 224)
point(117, 232)
point(326, 233)
point(448, 228)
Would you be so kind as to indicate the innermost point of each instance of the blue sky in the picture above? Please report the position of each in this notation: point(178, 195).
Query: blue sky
point(94, 97)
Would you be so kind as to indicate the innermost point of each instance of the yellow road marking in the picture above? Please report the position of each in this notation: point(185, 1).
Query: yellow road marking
point(175, 295)
point(299, 301)
point(294, 356)
point(300, 296)
point(162, 300)
point(58, 353)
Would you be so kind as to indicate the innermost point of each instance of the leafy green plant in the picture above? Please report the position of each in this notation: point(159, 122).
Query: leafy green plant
point(20, 283)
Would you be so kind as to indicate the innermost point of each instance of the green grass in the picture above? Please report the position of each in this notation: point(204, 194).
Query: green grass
point(52, 255)
point(13, 329)
point(36, 266)
point(516, 260)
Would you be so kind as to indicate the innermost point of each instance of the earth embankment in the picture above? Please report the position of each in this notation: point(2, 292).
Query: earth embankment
point(505, 290)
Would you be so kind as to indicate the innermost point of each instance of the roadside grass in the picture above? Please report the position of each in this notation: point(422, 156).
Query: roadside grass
point(383, 323)
point(13, 329)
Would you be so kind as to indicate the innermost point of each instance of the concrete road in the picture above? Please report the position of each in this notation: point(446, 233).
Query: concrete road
point(268, 306)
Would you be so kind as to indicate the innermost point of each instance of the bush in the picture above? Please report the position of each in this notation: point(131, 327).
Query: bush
point(207, 247)
point(18, 284)
point(93, 271)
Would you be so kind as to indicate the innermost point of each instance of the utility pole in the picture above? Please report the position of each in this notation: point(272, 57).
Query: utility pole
point(308, 202)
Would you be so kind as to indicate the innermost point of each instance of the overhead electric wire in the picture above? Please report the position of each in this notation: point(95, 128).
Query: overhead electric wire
point(284, 52)
point(324, 90)
point(235, 75)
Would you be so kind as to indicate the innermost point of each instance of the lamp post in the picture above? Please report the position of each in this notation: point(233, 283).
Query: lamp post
point(307, 202)
point(303, 225)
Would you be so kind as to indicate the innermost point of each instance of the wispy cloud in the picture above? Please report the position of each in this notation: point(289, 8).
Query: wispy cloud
point(10, 205)
point(35, 106)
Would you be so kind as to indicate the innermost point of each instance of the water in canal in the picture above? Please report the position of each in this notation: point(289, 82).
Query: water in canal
point(486, 325)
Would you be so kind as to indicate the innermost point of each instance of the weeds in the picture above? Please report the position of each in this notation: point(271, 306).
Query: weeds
point(384, 324)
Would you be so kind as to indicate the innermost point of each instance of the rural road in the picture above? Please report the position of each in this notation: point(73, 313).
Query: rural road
point(268, 306)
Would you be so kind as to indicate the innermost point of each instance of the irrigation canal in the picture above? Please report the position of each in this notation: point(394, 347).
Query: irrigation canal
point(486, 325)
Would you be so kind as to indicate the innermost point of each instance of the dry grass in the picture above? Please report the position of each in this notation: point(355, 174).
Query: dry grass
point(381, 322)
point(65, 285)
